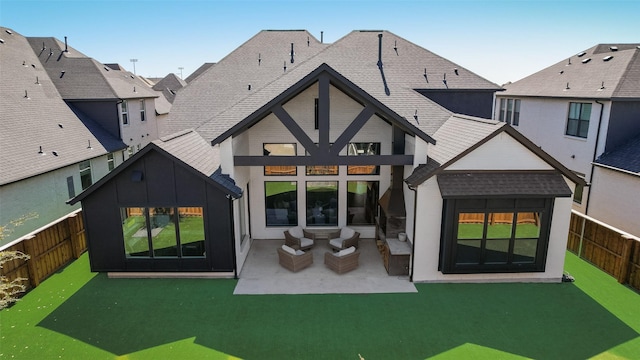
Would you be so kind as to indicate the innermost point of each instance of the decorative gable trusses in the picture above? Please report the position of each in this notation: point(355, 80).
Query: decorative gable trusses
point(325, 153)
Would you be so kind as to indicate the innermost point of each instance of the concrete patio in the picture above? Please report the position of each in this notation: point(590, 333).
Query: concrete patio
point(262, 274)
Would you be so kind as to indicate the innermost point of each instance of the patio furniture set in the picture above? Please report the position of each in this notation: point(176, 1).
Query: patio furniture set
point(296, 255)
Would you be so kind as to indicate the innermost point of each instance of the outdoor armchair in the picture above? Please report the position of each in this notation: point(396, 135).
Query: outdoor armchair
point(299, 238)
point(344, 238)
point(342, 261)
point(294, 260)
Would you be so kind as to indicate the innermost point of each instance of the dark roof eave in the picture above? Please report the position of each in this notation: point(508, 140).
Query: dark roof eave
point(518, 137)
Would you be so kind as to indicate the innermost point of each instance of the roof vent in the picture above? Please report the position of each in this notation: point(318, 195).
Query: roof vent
point(60, 126)
point(26, 96)
point(9, 32)
point(613, 48)
point(444, 80)
point(134, 89)
point(561, 72)
point(259, 59)
point(106, 68)
point(415, 116)
point(567, 88)
point(395, 46)
point(24, 63)
point(33, 66)
point(321, 37)
point(455, 71)
point(581, 54)
point(607, 58)
point(62, 73)
point(285, 66)
point(586, 60)
point(601, 87)
point(425, 75)
point(89, 147)
point(249, 87)
point(1, 41)
point(569, 63)
point(55, 153)
point(308, 41)
point(66, 49)
point(37, 81)
point(43, 47)
point(292, 53)
point(41, 152)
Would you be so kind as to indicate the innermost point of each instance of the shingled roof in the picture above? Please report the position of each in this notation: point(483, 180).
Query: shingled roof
point(189, 149)
point(40, 133)
point(78, 77)
point(199, 71)
point(258, 68)
point(625, 157)
point(169, 86)
point(605, 71)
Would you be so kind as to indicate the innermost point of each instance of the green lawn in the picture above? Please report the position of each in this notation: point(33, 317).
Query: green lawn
point(79, 315)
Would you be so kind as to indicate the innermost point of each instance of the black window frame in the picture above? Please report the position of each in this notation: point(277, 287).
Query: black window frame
point(293, 167)
point(376, 168)
point(293, 220)
point(582, 125)
point(448, 241)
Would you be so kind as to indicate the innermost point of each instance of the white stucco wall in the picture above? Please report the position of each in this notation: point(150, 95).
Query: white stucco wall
point(500, 153)
point(615, 199)
point(44, 195)
point(270, 130)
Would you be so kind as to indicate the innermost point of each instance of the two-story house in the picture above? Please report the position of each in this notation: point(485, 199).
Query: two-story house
point(50, 152)
point(116, 99)
point(288, 131)
point(578, 109)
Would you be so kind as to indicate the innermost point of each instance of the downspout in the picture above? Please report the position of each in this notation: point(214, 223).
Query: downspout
point(413, 235)
point(118, 119)
point(595, 152)
point(233, 237)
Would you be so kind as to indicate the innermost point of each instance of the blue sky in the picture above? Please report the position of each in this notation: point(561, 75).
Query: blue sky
point(502, 40)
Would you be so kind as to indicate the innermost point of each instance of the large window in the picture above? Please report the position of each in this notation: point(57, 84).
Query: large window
point(496, 235)
point(510, 111)
point(85, 174)
point(163, 232)
point(124, 112)
point(578, 120)
point(322, 203)
point(363, 149)
point(362, 198)
point(281, 203)
point(279, 150)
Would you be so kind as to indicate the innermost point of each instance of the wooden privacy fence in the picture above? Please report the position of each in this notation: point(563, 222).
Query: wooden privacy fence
point(608, 248)
point(49, 249)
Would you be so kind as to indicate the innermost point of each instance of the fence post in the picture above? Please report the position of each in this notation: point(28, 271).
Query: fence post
point(34, 279)
point(73, 233)
point(584, 222)
point(625, 258)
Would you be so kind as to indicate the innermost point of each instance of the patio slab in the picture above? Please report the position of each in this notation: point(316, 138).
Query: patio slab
point(262, 274)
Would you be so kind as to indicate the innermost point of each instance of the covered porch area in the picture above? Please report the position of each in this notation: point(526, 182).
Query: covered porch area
point(262, 274)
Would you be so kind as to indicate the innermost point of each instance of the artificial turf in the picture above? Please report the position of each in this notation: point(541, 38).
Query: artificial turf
point(79, 315)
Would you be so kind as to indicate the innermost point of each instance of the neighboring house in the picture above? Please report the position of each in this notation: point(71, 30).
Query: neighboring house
point(332, 135)
point(116, 99)
point(579, 108)
point(48, 152)
point(615, 189)
point(169, 86)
